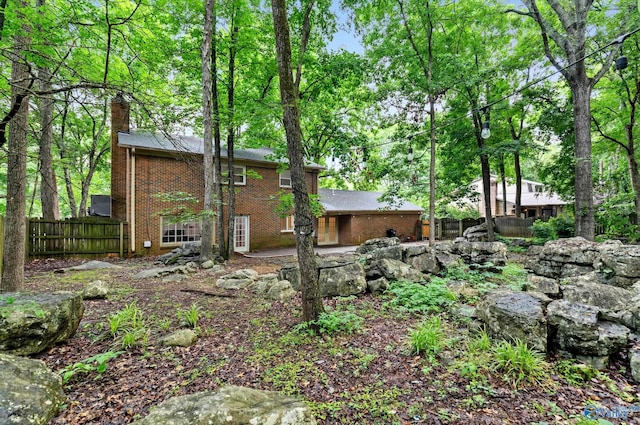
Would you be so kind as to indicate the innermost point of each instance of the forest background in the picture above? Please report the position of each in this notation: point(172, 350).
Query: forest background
point(434, 70)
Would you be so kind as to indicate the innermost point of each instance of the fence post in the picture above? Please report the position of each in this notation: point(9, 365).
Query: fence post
point(27, 245)
point(121, 239)
point(460, 228)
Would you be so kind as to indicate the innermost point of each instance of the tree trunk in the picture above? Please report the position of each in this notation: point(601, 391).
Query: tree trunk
point(486, 188)
point(584, 186)
point(432, 170)
point(303, 216)
point(633, 169)
point(206, 248)
point(516, 163)
point(63, 156)
point(15, 222)
point(49, 186)
point(231, 129)
point(503, 182)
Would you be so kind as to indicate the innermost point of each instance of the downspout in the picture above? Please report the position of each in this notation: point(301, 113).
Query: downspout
point(132, 221)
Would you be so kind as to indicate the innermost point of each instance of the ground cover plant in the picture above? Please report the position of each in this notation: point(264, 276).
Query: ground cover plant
point(404, 357)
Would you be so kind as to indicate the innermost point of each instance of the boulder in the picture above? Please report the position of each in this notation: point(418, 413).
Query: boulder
point(634, 362)
point(422, 258)
point(374, 244)
point(341, 278)
point(613, 302)
point(478, 233)
point(272, 288)
point(158, 272)
point(392, 270)
point(510, 315)
point(290, 273)
point(545, 285)
point(378, 286)
point(30, 393)
point(238, 279)
point(475, 253)
point(390, 252)
point(93, 265)
point(95, 290)
point(179, 338)
point(619, 263)
point(230, 405)
point(564, 258)
point(31, 323)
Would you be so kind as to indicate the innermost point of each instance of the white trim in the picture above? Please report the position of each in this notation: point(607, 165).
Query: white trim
point(241, 244)
point(285, 176)
point(288, 222)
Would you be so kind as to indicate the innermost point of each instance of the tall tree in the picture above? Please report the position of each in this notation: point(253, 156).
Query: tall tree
point(566, 25)
point(206, 249)
point(303, 215)
point(15, 223)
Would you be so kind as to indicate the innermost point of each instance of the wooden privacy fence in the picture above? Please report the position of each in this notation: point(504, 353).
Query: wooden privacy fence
point(451, 228)
point(75, 236)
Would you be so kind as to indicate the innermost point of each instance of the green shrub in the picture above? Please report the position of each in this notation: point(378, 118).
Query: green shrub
point(427, 338)
point(189, 318)
point(97, 363)
point(333, 322)
point(418, 298)
point(575, 373)
point(518, 362)
point(562, 226)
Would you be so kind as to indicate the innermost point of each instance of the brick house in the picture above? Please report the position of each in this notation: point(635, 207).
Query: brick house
point(144, 165)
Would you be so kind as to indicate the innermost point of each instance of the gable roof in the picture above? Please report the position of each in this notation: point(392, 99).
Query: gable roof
point(335, 201)
point(194, 145)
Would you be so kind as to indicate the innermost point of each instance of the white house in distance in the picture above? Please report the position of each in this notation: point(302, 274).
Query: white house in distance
point(535, 200)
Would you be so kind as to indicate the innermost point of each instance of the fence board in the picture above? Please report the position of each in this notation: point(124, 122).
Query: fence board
point(76, 236)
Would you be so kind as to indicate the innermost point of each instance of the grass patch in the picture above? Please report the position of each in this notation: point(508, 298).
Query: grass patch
point(519, 363)
point(427, 338)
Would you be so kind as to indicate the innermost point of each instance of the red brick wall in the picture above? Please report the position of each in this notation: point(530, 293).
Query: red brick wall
point(257, 199)
point(119, 122)
point(369, 226)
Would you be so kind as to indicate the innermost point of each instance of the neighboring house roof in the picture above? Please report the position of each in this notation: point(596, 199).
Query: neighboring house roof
point(529, 198)
point(193, 145)
point(352, 201)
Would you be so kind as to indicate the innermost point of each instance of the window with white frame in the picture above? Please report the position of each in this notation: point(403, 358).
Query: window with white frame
point(175, 233)
point(286, 224)
point(285, 178)
point(239, 174)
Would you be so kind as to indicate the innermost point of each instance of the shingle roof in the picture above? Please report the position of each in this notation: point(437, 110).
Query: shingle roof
point(193, 145)
point(334, 200)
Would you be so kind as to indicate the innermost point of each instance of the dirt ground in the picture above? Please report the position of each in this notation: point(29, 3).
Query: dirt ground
point(367, 377)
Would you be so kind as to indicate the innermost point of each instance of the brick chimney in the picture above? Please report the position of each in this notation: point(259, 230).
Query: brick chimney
point(119, 122)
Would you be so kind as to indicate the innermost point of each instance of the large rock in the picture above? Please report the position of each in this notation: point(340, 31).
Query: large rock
point(290, 273)
point(422, 258)
point(392, 270)
point(615, 304)
point(157, 272)
point(238, 279)
point(95, 290)
point(478, 233)
point(230, 405)
point(634, 362)
point(30, 393)
point(179, 338)
point(341, 279)
point(378, 243)
point(620, 263)
point(545, 285)
point(31, 323)
point(565, 258)
point(93, 265)
point(510, 315)
point(272, 288)
point(482, 252)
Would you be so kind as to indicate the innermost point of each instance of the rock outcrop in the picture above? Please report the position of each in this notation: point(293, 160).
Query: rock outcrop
point(230, 405)
point(30, 393)
point(31, 323)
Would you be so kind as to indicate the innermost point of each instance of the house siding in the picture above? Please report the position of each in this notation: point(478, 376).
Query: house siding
point(257, 199)
point(355, 229)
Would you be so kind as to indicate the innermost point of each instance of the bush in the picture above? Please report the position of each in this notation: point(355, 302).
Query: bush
point(333, 323)
point(557, 227)
point(419, 298)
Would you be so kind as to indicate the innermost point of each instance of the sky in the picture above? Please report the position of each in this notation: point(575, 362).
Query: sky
point(347, 39)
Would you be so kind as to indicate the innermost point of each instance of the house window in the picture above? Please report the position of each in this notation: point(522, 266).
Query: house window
point(539, 188)
point(286, 224)
point(176, 233)
point(529, 187)
point(285, 178)
point(239, 174)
